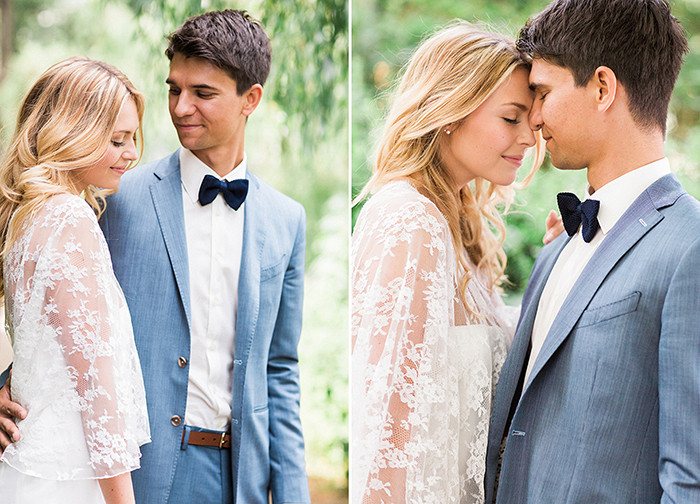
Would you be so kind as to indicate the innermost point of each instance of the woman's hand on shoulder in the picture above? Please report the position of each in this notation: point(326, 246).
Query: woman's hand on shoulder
point(554, 227)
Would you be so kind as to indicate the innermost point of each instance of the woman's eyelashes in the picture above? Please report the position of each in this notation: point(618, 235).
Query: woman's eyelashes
point(122, 142)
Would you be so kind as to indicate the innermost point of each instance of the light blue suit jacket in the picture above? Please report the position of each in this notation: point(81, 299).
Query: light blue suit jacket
point(144, 227)
point(611, 410)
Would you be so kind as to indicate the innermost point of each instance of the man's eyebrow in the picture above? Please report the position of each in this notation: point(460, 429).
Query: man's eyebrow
point(535, 85)
point(207, 87)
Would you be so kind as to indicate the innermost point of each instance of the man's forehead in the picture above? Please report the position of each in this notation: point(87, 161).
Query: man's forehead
point(544, 73)
point(539, 70)
point(191, 69)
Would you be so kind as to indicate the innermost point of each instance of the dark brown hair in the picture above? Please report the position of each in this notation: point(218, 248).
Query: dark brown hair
point(639, 40)
point(229, 39)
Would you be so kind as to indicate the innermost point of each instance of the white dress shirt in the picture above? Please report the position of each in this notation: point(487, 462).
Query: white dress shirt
point(214, 243)
point(615, 198)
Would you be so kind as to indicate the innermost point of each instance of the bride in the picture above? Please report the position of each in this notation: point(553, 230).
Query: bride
point(75, 370)
point(429, 330)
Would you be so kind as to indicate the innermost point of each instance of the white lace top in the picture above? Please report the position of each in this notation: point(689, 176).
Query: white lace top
point(423, 368)
point(75, 367)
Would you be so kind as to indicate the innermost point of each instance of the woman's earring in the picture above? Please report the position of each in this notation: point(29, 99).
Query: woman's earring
point(447, 131)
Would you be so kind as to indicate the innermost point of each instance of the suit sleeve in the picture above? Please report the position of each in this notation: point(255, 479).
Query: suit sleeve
point(5, 375)
point(287, 466)
point(679, 384)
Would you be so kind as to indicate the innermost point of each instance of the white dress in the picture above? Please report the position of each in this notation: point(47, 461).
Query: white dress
point(75, 366)
point(424, 370)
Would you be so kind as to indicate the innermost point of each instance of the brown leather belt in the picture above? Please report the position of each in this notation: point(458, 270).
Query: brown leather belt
point(213, 439)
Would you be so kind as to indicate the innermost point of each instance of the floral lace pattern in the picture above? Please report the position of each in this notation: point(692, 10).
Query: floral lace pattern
point(424, 369)
point(75, 367)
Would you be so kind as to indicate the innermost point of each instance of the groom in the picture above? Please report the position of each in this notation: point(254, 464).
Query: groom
point(599, 399)
point(211, 262)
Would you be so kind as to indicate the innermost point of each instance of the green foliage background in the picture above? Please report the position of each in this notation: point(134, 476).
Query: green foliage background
point(297, 140)
point(384, 33)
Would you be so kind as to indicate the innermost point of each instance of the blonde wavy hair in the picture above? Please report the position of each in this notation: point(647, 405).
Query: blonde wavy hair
point(450, 74)
point(65, 123)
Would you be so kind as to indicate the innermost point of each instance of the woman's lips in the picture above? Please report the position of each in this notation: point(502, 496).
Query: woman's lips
point(516, 160)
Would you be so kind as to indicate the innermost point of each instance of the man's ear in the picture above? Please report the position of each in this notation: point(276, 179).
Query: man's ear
point(252, 99)
point(604, 82)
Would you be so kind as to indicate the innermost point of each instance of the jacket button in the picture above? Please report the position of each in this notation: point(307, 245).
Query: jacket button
point(175, 420)
point(182, 362)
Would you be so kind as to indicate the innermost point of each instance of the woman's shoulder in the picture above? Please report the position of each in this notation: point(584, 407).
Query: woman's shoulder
point(401, 198)
point(65, 211)
point(398, 213)
point(68, 204)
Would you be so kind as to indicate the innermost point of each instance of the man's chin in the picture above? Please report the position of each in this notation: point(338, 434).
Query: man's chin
point(565, 164)
point(188, 142)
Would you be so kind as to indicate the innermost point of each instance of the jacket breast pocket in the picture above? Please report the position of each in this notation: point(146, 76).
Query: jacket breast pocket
point(598, 314)
point(274, 269)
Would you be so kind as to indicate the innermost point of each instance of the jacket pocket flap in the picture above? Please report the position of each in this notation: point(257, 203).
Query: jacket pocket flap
point(274, 269)
point(609, 311)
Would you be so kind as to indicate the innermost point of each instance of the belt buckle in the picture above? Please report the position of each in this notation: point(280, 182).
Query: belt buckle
point(221, 441)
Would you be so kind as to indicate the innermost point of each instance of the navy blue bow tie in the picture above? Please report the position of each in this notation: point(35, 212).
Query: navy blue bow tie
point(234, 192)
point(575, 214)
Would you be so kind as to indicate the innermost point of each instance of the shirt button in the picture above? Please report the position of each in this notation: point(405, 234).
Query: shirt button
point(182, 362)
point(175, 420)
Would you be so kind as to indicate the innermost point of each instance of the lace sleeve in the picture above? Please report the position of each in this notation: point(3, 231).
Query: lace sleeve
point(69, 297)
point(76, 305)
point(401, 310)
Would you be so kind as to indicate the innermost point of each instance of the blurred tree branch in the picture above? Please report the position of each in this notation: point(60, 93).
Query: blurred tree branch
point(310, 54)
point(7, 34)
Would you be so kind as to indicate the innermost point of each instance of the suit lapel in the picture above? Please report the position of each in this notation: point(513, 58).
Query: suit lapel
point(166, 194)
point(638, 220)
point(249, 279)
point(509, 379)
point(521, 342)
point(510, 375)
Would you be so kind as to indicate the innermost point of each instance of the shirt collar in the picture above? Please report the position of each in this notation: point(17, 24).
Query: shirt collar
point(617, 195)
point(193, 170)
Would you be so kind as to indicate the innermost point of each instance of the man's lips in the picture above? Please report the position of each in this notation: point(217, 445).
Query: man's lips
point(187, 127)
